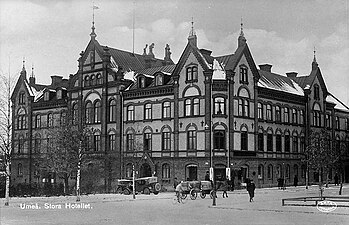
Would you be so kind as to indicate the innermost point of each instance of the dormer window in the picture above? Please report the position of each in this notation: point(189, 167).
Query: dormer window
point(47, 96)
point(59, 94)
point(243, 74)
point(159, 80)
point(192, 73)
point(141, 82)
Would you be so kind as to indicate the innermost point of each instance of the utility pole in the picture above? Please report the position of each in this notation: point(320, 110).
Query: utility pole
point(133, 182)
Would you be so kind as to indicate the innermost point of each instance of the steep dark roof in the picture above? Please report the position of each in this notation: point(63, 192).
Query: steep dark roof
point(151, 71)
point(132, 61)
point(278, 82)
point(223, 60)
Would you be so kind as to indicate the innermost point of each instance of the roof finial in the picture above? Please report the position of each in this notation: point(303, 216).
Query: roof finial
point(32, 75)
point(192, 31)
point(23, 68)
point(314, 60)
point(93, 34)
point(242, 28)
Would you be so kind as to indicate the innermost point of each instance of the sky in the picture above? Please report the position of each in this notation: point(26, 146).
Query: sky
point(51, 34)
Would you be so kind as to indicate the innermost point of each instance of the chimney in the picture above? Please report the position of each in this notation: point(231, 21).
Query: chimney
point(56, 79)
point(291, 74)
point(265, 67)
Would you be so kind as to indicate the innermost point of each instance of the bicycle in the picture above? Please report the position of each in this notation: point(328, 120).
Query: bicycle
point(180, 199)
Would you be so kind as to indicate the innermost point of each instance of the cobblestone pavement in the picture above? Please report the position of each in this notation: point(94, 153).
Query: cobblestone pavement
point(159, 209)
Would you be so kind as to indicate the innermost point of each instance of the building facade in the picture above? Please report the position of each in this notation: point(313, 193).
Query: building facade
point(179, 120)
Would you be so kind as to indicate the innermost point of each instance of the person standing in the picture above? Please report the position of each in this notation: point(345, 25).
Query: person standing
point(336, 179)
point(207, 176)
point(295, 180)
point(225, 187)
point(250, 188)
point(175, 183)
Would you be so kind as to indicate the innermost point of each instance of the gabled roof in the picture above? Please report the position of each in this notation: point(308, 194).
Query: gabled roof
point(303, 81)
point(279, 83)
point(151, 71)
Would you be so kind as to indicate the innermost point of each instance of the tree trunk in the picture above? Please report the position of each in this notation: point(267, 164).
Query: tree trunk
point(78, 182)
point(65, 184)
point(7, 188)
point(307, 177)
point(327, 178)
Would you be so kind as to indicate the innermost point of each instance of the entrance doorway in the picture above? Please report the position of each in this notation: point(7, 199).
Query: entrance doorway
point(192, 172)
point(145, 170)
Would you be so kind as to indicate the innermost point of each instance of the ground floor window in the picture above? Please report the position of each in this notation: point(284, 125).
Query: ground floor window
point(191, 172)
point(166, 171)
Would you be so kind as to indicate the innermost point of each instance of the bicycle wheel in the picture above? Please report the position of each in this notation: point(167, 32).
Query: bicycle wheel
point(184, 196)
point(193, 194)
point(202, 195)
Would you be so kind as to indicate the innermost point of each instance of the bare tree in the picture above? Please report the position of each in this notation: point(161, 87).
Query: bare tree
point(6, 84)
point(66, 149)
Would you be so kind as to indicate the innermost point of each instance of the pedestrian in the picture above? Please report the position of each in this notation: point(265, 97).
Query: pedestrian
point(207, 176)
point(250, 188)
point(295, 180)
point(179, 190)
point(225, 187)
point(175, 183)
point(336, 179)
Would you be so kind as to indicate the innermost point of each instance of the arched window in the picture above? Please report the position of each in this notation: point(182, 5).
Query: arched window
point(243, 74)
point(337, 123)
point(21, 98)
point(295, 144)
point(75, 113)
point(295, 170)
point(147, 140)
point(37, 143)
point(93, 80)
point(148, 111)
point(286, 115)
point(279, 171)
point(20, 169)
point(50, 120)
point(269, 113)
point(97, 142)
point(270, 141)
point(219, 139)
point(287, 171)
point(111, 141)
point(260, 111)
point(97, 112)
point(112, 110)
point(303, 171)
point(316, 92)
point(38, 121)
point(287, 142)
point(316, 115)
point(89, 112)
point(191, 138)
point(244, 139)
point(260, 171)
point(260, 141)
point(192, 73)
point(166, 110)
point(270, 172)
point(278, 141)
point(301, 117)
point(166, 171)
point(129, 141)
point(277, 113)
point(294, 116)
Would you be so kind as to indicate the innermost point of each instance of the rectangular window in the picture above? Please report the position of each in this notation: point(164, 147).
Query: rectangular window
point(147, 112)
point(294, 116)
point(244, 141)
point(260, 142)
point(147, 142)
point(187, 106)
point(38, 121)
point(269, 113)
point(295, 144)
point(97, 143)
point(130, 113)
point(111, 142)
point(129, 142)
point(219, 106)
point(277, 114)
point(166, 141)
point(286, 115)
point(243, 75)
point(260, 111)
point(301, 117)
point(196, 107)
point(269, 142)
point(337, 123)
point(191, 140)
point(278, 143)
point(287, 143)
point(166, 110)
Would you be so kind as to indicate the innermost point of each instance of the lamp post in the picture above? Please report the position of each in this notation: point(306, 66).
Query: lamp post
point(207, 127)
point(133, 181)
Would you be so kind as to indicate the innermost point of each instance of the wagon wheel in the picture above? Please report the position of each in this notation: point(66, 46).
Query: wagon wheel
point(146, 191)
point(202, 195)
point(193, 194)
point(126, 191)
point(184, 196)
point(119, 190)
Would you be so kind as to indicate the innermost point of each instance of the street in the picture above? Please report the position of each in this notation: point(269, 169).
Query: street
point(159, 209)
